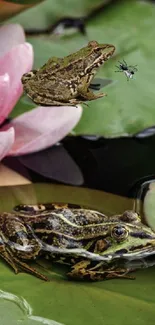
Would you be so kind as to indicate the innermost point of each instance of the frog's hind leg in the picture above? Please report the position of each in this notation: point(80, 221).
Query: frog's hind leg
point(84, 271)
point(18, 265)
point(28, 269)
point(100, 275)
point(29, 209)
point(34, 209)
point(87, 94)
point(39, 100)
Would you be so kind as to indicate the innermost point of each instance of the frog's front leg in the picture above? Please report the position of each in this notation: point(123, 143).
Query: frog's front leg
point(84, 271)
point(87, 94)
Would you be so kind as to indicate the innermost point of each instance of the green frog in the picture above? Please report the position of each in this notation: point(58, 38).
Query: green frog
point(66, 81)
point(89, 242)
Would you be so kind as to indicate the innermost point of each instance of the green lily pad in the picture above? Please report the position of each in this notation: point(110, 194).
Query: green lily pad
point(33, 193)
point(31, 301)
point(49, 11)
point(129, 106)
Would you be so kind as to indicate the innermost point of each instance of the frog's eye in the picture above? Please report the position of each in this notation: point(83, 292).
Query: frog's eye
point(119, 232)
point(97, 50)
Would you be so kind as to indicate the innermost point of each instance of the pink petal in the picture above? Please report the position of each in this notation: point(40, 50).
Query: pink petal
point(6, 141)
point(16, 62)
point(4, 95)
point(10, 36)
point(42, 127)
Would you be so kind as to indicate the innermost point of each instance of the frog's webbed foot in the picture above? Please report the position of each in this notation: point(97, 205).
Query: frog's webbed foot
point(83, 271)
point(28, 269)
point(76, 101)
point(87, 94)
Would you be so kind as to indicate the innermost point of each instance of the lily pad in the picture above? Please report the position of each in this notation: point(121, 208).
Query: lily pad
point(49, 11)
point(31, 301)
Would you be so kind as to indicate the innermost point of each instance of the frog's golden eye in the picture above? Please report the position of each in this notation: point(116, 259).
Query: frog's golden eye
point(119, 232)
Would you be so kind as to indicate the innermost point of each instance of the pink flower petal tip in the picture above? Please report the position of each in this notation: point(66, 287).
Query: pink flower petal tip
point(4, 95)
point(10, 35)
point(15, 63)
point(43, 127)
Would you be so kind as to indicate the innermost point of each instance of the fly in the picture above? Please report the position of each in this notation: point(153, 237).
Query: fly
point(129, 71)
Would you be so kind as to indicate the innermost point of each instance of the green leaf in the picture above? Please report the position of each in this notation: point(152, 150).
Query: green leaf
point(129, 106)
point(33, 193)
point(31, 301)
point(50, 11)
point(23, 105)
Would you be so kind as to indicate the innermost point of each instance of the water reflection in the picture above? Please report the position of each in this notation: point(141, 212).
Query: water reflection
point(111, 165)
point(26, 309)
point(54, 163)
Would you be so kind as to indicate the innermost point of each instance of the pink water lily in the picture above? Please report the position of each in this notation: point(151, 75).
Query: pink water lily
point(36, 129)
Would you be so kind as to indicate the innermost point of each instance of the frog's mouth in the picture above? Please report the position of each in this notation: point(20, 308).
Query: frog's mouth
point(111, 50)
point(134, 251)
point(123, 253)
point(138, 252)
point(132, 248)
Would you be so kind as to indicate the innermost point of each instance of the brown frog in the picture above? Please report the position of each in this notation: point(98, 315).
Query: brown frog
point(66, 81)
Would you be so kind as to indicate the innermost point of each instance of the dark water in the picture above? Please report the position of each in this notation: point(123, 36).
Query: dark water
point(117, 166)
